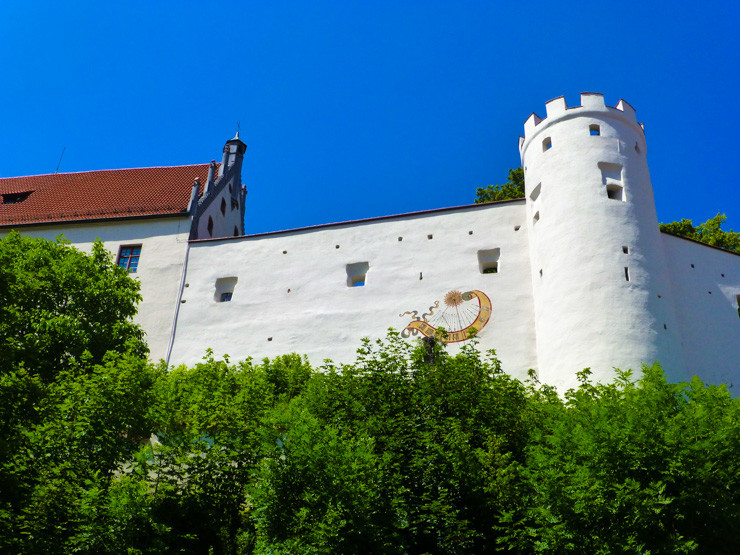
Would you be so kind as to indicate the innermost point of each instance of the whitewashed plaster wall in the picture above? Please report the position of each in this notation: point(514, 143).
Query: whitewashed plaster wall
point(292, 293)
point(706, 288)
point(164, 243)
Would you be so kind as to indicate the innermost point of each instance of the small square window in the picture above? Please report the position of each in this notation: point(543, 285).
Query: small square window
point(488, 261)
point(615, 192)
point(357, 273)
point(594, 130)
point(225, 289)
point(128, 257)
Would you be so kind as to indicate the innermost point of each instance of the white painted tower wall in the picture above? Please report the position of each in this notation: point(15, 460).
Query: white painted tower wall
point(595, 305)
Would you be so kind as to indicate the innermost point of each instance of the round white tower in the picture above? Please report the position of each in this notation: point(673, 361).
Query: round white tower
point(602, 293)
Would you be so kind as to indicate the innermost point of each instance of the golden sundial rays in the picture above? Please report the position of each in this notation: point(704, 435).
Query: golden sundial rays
point(460, 319)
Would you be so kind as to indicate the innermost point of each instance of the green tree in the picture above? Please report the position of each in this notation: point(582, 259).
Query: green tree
point(57, 303)
point(710, 232)
point(74, 390)
point(513, 188)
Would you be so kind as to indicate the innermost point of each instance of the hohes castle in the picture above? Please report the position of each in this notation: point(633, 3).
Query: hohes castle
point(575, 275)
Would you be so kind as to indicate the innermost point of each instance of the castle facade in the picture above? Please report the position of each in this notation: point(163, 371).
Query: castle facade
point(577, 274)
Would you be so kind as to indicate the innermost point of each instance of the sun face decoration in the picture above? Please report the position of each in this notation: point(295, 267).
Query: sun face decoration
point(458, 320)
point(453, 298)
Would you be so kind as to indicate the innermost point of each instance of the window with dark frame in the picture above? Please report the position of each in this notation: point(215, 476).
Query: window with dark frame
point(128, 257)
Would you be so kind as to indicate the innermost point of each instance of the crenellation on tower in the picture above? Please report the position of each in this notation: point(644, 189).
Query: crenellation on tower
point(555, 107)
point(592, 104)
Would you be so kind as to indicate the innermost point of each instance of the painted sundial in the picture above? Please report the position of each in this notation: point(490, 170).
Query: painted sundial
point(461, 316)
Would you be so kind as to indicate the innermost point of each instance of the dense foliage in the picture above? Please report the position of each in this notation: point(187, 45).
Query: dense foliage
point(408, 450)
point(710, 232)
point(513, 188)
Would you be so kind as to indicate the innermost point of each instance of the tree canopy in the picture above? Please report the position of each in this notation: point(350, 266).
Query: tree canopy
point(57, 303)
point(406, 450)
point(710, 232)
point(512, 189)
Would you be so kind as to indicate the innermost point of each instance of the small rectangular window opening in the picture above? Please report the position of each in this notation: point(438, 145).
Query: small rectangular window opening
point(357, 274)
point(737, 301)
point(615, 192)
point(536, 217)
point(225, 289)
point(594, 130)
point(546, 144)
point(625, 250)
point(488, 261)
point(626, 273)
point(128, 257)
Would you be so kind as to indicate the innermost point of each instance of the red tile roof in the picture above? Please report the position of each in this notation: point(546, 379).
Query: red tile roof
point(96, 195)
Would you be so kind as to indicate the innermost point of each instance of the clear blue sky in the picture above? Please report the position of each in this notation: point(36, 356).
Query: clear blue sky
point(361, 109)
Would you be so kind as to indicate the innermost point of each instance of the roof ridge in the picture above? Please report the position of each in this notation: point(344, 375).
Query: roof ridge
point(108, 170)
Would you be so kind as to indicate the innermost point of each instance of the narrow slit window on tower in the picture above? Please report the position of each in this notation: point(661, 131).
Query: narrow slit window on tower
point(615, 192)
point(594, 130)
point(637, 148)
point(236, 231)
point(488, 261)
point(737, 302)
point(357, 274)
point(546, 144)
point(625, 249)
point(225, 289)
point(210, 226)
point(536, 217)
point(536, 192)
point(223, 207)
point(626, 273)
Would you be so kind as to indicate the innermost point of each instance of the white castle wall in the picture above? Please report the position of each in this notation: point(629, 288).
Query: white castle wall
point(589, 310)
point(164, 243)
point(292, 295)
point(706, 289)
point(560, 299)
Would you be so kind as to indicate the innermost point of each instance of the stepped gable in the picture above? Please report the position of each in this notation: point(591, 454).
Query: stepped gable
point(98, 195)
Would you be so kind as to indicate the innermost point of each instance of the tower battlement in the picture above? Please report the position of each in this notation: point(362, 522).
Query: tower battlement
point(591, 104)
